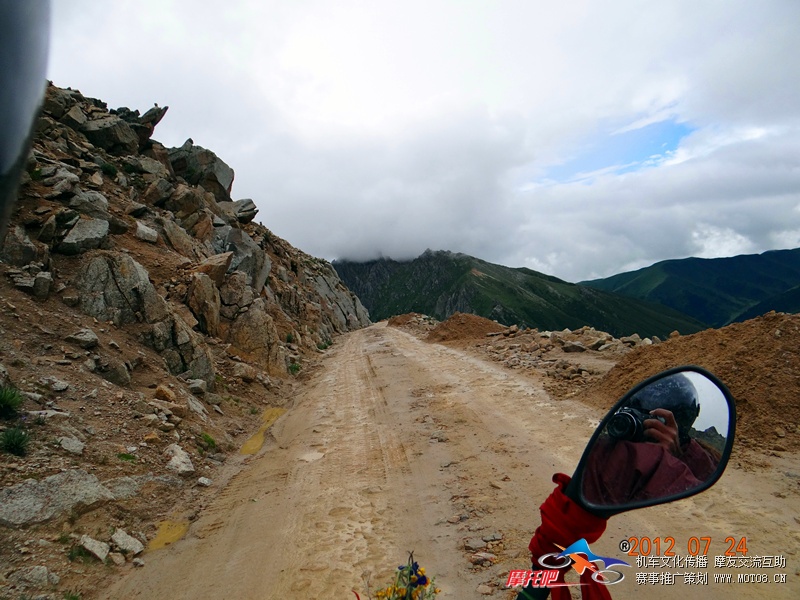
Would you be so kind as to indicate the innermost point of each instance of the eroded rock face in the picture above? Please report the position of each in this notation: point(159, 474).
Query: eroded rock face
point(114, 287)
point(254, 333)
point(34, 501)
point(180, 197)
point(248, 256)
point(181, 201)
point(179, 281)
point(204, 302)
point(348, 311)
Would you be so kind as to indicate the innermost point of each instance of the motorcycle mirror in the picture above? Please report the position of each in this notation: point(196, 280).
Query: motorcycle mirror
point(668, 438)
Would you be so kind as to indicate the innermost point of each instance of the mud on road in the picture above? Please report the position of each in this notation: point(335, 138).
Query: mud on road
point(396, 445)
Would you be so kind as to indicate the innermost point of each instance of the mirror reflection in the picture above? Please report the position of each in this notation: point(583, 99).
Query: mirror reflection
point(666, 439)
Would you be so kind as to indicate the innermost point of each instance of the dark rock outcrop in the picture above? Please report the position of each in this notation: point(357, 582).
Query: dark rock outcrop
point(200, 166)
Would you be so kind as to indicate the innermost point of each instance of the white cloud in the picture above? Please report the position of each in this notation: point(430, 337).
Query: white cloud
point(365, 128)
point(717, 242)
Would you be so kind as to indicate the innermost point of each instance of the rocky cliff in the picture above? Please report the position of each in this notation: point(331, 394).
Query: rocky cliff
point(125, 230)
point(146, 324)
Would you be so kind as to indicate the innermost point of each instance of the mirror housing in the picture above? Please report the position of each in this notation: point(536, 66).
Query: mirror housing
point(668, 438)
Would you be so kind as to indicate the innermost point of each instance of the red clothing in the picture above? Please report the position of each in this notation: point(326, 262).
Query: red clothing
point(564, 522)
point(619, 472)
point(699, 460)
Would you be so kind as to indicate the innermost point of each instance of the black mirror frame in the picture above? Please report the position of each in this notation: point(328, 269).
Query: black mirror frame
point(574, 489)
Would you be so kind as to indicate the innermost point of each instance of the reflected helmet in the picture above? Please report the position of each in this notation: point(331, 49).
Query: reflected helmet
point(675, 393)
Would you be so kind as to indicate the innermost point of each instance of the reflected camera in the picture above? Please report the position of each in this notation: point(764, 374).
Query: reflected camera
point(628, 424)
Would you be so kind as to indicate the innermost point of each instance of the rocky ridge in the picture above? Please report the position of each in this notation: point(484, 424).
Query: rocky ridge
point(147, 322)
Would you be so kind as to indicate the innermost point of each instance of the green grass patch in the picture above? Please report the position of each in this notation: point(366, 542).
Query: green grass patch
point(10, 401)
point(15, 441)
point(126, 457)
point(208, 441)
point(79, 553)
point(294, 368)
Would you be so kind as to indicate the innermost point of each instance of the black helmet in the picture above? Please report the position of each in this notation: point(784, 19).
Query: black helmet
point(677, 394)
point(24, 34)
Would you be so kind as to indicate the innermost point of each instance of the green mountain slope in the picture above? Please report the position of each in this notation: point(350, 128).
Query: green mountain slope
point(716, 291)
point(441, 283)
point(787, 302)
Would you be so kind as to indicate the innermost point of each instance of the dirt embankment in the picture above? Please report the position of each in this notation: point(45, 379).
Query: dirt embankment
point(759, 362)
point(463, 326)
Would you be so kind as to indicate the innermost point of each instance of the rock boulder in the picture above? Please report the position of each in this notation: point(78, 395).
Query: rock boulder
point(34, 501)
point(248, 256)
point(114, 287)
point(204, 301)
point(112, 134)
point(87, 234)
point(200, 166)
point(254, 333)
point(216, 267)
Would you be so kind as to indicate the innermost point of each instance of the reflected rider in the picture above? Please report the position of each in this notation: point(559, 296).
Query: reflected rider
point(647, 450)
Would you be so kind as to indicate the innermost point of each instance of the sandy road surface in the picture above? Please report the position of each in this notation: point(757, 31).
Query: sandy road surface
point(398, 445)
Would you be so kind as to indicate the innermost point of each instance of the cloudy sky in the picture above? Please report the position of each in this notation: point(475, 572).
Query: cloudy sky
point(580, 138)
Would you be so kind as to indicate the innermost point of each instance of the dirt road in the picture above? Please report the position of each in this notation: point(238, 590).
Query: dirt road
point(397, 445)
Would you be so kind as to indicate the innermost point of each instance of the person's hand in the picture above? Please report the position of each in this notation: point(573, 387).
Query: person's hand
point(664, 434)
